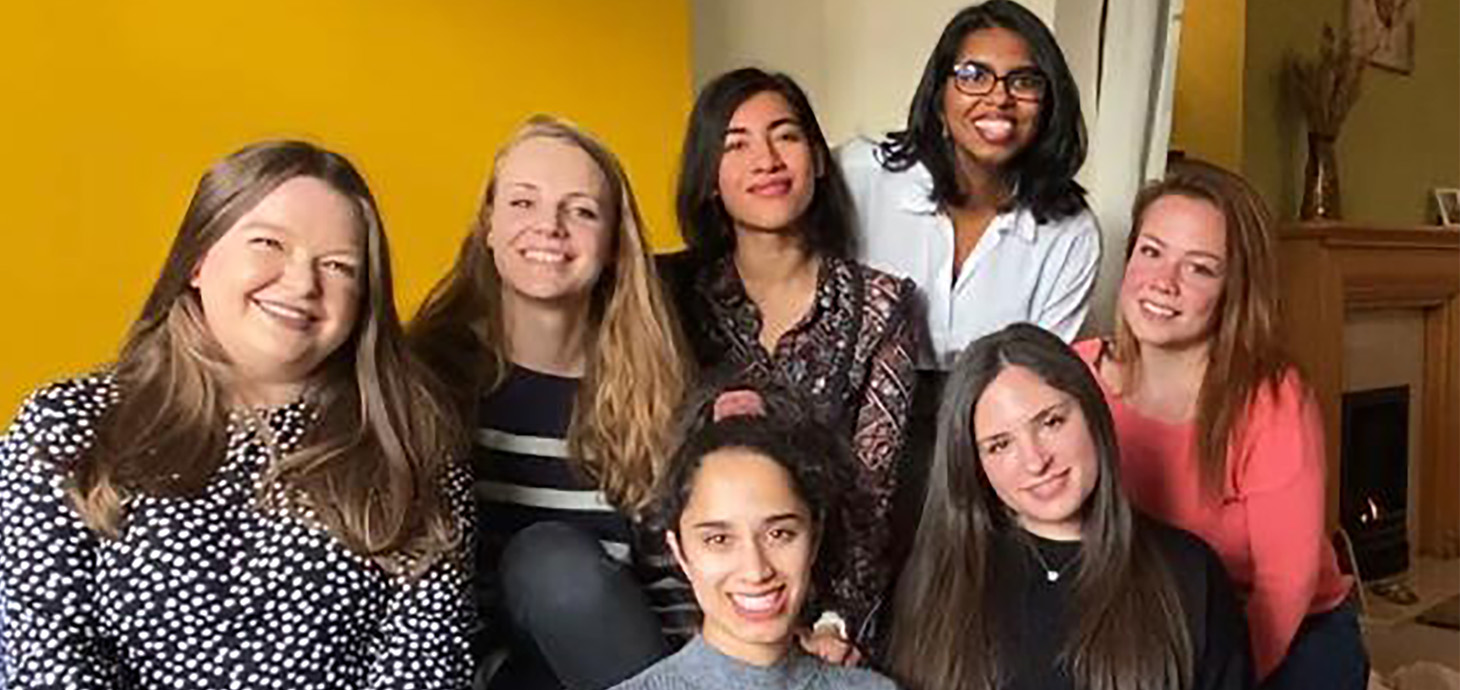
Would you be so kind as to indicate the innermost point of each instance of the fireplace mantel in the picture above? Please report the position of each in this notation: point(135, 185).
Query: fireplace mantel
point(1331, 269)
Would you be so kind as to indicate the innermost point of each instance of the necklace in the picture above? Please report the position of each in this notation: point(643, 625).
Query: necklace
point(1050, 574)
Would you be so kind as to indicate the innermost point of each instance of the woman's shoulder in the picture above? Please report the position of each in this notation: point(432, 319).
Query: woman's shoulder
point(1185, 552)
point(881, 285)
point(859, 155)
point(58, 420)
point(1080, 226)
point(855, 678)
point(1089, 349)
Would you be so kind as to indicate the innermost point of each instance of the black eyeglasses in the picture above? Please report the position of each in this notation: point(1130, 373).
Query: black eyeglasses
point(978, 79)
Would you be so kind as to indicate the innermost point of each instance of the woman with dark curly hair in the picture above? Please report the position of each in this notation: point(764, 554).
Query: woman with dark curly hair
point(748, 503)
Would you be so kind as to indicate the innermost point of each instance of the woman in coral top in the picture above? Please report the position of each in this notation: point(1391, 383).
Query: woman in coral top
point(1218, 433)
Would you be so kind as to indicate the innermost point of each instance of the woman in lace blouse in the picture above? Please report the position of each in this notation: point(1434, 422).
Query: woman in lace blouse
point(768, 293)
point(257, 493)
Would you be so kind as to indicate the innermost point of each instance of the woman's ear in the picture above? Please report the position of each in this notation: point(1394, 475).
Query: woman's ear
point(671, 539)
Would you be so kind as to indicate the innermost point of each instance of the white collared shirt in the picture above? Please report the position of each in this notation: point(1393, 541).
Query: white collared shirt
point(1020, 270)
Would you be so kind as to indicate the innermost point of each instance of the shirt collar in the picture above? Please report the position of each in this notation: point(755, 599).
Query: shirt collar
point(917, 198)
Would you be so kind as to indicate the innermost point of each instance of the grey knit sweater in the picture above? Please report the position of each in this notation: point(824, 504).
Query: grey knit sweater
point(698, 666)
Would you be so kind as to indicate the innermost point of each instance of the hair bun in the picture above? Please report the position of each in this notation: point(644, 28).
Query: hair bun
point(738, 403)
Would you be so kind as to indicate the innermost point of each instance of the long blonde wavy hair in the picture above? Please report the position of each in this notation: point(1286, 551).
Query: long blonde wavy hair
point(636, 372)
point(371, 468)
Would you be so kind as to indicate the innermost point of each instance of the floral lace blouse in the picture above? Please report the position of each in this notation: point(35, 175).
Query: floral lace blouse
point(851, 358)
point(206, 591)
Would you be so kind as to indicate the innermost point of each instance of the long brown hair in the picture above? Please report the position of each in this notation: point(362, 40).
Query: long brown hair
point(636, 372)
point(1129, 629)
point(370, 468)
point(1245, 350)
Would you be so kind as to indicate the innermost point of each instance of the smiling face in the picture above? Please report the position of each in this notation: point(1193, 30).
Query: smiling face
point(280, 289)
point(746, 541)
point(551, 222)
point(989, 130)
point(1176, 273)
point(768, 168)
point(1037, 452)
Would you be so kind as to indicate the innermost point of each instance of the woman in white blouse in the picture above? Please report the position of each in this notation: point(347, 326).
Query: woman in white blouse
point(976, 200)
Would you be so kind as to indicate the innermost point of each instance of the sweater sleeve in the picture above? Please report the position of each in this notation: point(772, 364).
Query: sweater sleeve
point(48, 557)
point(1281, 482)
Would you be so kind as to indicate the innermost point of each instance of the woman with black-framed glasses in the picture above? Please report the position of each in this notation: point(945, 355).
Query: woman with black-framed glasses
point(976, 200)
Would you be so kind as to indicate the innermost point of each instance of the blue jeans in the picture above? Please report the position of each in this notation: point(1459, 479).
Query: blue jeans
point(1328, 652)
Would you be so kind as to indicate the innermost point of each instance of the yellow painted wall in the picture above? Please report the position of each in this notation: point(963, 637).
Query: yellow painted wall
point(111, 109)
point(1401, 139)
point(1206, 118)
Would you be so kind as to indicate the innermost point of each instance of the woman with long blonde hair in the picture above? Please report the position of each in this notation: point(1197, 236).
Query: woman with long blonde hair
point(563, 354)
point(1219, 434)
point(257, 492)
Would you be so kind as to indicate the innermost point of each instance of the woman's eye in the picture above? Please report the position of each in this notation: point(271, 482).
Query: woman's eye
point(266, 243)
point(341, 268)
point(782, 534)
point(717, 540)
point(1054, 421)
point(995, 447)
point(520, 203)
point(1204, 270)
point(735, 144)
point(1148, 251)
point(791, 134)
point(584, 213)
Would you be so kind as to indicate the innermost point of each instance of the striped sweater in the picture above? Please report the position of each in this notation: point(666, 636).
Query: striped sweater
point(524, 475)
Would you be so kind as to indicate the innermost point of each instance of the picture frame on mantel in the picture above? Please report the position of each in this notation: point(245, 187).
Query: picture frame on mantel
point(1385, 28)
point(1448, 203)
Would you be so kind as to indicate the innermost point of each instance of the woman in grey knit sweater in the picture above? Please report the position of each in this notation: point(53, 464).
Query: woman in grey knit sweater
point(745, 506)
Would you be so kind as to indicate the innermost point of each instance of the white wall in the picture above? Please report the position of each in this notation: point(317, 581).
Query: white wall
point(859, 60)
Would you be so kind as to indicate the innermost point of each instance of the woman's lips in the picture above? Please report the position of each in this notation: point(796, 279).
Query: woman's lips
point(1050, 486)
point(995, 130)
point(293, 317)
point(761, 606)
point(771, 188)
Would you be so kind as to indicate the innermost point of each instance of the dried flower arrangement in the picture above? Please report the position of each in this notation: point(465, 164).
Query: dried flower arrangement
point(1329, 86)
point(1327, 89)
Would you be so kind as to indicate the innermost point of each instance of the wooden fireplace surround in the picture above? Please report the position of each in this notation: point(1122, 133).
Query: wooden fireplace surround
point(1329, 270)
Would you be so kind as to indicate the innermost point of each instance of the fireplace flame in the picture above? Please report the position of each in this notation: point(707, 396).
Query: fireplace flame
point(1371, 514)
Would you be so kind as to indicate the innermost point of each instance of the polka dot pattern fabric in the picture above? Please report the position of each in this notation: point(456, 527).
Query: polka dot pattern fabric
point(206, 591)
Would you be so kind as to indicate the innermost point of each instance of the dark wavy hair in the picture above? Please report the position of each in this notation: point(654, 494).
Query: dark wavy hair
point(826, 227)
point(1127, 628)
point(1044, 172)
point(815, 458)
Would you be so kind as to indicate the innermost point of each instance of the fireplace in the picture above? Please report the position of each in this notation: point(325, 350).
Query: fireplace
point(1374, 486)
point(1330, 271)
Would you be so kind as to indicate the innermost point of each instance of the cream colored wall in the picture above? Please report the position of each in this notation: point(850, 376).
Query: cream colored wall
point(859, 60)
point(113, 108)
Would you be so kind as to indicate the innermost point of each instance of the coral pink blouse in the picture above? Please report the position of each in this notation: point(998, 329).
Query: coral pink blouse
point(1267, 525)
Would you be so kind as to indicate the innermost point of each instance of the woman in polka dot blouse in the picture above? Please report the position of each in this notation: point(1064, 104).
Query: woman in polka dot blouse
point(257, 494)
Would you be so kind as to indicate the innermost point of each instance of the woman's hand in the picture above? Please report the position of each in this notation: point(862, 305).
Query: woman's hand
point(827, 642)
